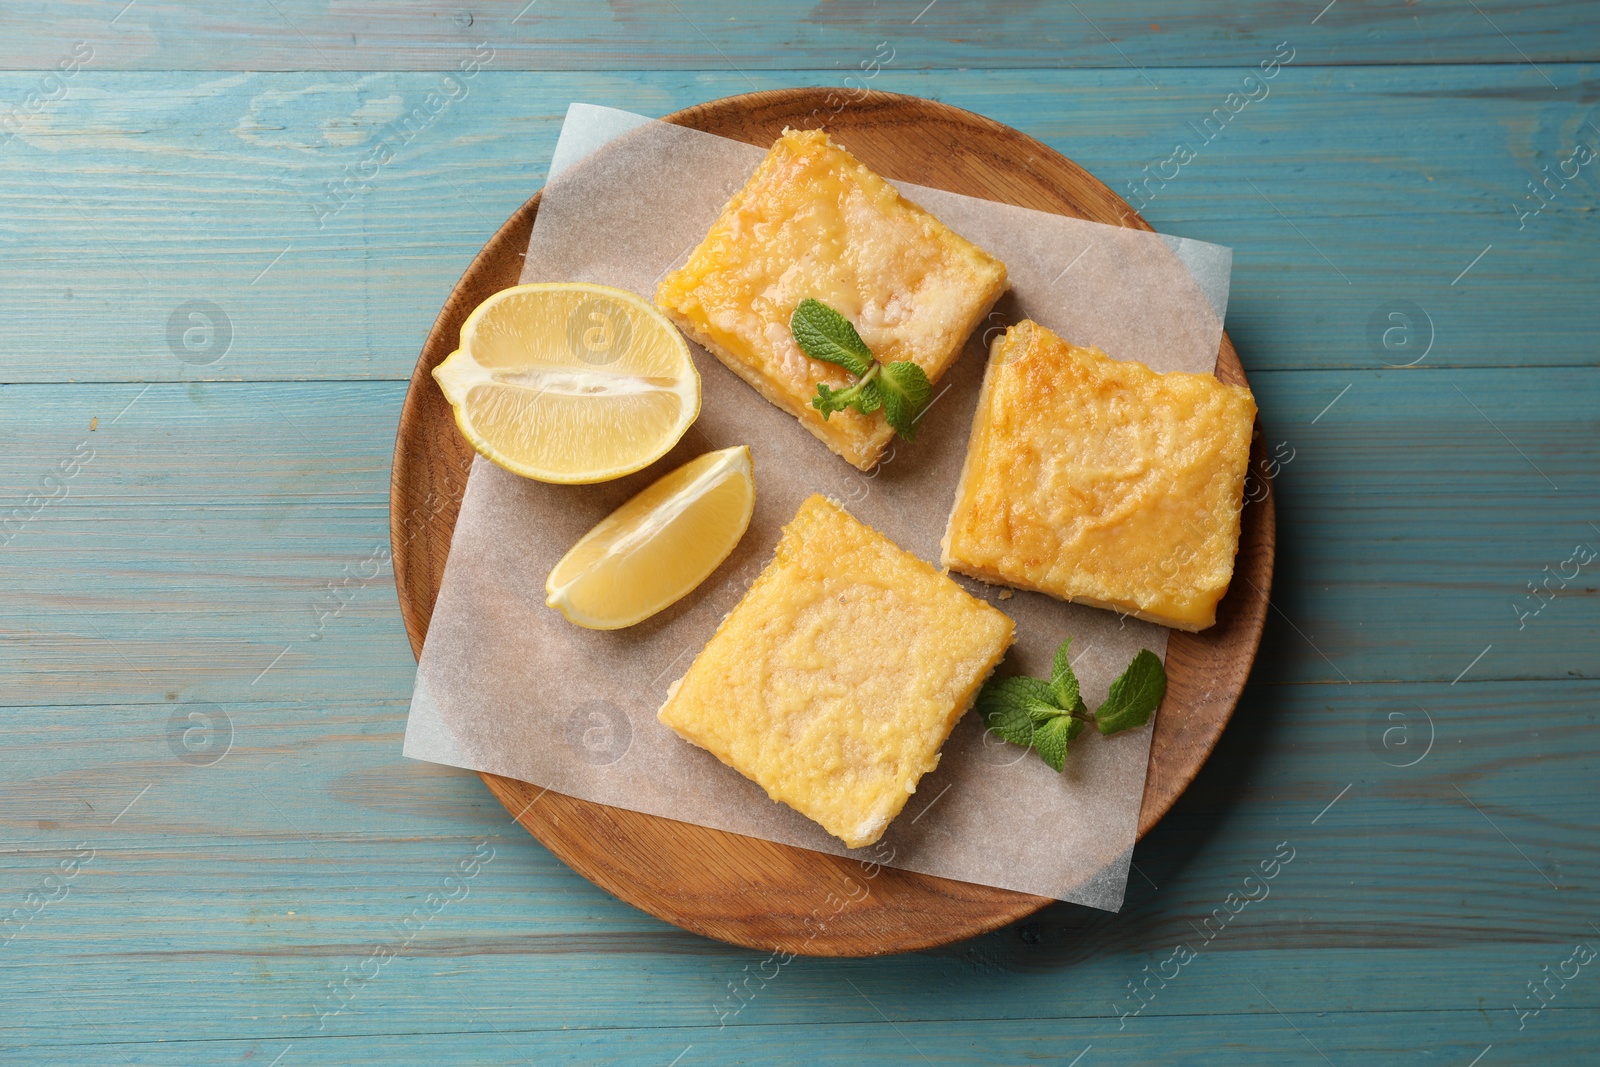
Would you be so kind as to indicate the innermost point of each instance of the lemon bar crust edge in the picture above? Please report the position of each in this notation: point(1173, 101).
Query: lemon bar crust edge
point(861, 813)
point(979, 280)
point(969, 487)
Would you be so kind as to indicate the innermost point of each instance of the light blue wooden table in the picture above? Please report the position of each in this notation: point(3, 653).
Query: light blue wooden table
point(212, 850)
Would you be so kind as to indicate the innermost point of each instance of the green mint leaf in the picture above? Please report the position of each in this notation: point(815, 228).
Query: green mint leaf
point(1135, 694)
point(906, 393)
point(1006, 703)
point(1062, 680)
point(1050, 741)
point(1014, 692)
point(822, 333)
point(1039, 711)
point(1048, 715)
point(864, 396)
point(829, 400)
point(1011, 724)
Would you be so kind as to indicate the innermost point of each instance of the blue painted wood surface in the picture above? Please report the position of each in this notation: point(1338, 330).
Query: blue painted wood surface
point(749, 35)
point(206, 818)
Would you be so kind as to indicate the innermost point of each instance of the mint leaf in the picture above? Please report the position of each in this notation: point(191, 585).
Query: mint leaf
point(906, 393)
point(829, 400)
point(1062, 680)
point(1016, 691)
point(1006, 705)
point(1011, 724)
point(822, 333)
point(864, 396)
point(1135, 695)
point(1039, 711)
point(1050, 741)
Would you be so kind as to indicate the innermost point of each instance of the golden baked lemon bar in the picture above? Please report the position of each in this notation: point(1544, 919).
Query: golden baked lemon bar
point(1101, 481)
point(835, 681)
point(814, 222)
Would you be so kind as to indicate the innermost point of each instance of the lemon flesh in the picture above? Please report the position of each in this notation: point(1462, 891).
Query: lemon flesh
point(657, 547)
point(570, 382)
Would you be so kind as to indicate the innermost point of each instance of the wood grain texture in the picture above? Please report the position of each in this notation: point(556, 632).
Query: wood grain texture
point(757, 893)
point(1400, 177)
point(1261, 1038)
point(200, 544)
point(771, 35)
point(202, 539)
point(263, 876)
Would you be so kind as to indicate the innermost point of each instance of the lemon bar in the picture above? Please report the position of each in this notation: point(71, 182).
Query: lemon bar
point(814, 222)
point(1101, 481)
point(835, 681)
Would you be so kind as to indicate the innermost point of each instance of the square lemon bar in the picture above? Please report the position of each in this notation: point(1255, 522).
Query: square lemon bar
point(835, 681)
point(1102, 481)
point(814, 222)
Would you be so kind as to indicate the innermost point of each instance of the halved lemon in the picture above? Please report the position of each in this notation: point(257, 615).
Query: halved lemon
point(570, 382)
point(658, 546)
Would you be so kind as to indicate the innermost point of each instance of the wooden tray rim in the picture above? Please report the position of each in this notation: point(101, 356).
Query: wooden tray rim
point(511, 793)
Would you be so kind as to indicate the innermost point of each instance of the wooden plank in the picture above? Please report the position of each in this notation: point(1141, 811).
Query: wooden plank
point(222, 529)
point(227, 505)
point(266, 874)
point(212, 518)
point(1263, 1038)
point(408, 35)
point(220, 180)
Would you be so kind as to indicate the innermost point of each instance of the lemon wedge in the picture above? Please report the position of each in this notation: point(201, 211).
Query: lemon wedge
point(658, 546)
point(570, 382)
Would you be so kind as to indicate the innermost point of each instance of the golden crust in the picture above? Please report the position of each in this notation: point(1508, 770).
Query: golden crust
point(815, 222)
point(1101, 481)
point(836, 680)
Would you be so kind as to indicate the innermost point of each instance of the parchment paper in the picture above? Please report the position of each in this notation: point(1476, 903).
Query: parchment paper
point(507, 685)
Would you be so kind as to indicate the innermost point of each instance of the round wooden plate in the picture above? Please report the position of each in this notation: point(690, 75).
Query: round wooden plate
point(757, 893)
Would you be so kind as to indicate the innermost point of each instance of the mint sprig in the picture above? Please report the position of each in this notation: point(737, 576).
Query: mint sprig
point(900, 388)
point(1048, 715)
